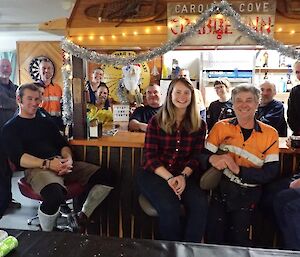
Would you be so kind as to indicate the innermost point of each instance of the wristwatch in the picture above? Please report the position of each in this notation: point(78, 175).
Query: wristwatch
point(184, 175)
point(44, 164)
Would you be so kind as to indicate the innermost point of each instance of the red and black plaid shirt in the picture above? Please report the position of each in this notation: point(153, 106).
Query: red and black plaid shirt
point(175, 151)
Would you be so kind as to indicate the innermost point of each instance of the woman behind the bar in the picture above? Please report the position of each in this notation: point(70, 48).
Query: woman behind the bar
point(173, 143)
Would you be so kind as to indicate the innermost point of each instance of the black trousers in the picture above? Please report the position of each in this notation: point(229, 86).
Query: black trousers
point(230, 214)
point(5, 184)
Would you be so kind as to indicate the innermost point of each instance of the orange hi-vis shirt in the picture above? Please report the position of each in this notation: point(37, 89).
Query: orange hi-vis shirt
point(260, 148)
point(52, 99)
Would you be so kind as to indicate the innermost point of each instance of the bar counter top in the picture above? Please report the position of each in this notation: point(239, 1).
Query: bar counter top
point(121, 139)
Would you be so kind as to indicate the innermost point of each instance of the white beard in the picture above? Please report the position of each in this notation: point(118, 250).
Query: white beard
point(4, 76)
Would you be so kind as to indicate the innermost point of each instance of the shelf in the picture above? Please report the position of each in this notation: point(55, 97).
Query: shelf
point(273, 70)
point(231, 80)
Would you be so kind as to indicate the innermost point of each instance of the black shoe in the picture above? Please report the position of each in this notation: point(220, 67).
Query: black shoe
point(65, 210)
point(78, 222)
point(14, 204)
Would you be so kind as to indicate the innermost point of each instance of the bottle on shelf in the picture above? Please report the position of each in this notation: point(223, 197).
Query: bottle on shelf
point(281, 86)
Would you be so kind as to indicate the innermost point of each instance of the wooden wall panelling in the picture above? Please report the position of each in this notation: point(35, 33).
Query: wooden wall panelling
point(27, 50)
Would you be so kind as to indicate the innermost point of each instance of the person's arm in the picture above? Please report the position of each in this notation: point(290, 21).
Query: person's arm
point(209, 117)
point(274, 116)
point(151, 146)
point(6, 102)
point(29, 161)
point(57, 165)
point(293, 111)
point(262, 175)
point(135, 125)
point(198, 139)
point(270, 168)
point(152, 162)
point(87, 92)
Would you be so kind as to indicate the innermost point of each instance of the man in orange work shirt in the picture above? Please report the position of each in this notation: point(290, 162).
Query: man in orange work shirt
point(53, 93)
point(252, 159)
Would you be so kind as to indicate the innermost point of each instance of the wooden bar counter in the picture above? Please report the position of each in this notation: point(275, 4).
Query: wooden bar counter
point(122, 154)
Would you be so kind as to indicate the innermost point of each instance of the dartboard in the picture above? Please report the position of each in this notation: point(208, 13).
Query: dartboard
point(34, 67)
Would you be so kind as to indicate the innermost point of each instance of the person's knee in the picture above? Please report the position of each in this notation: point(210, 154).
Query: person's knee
point(53, 196)
point(101, 176)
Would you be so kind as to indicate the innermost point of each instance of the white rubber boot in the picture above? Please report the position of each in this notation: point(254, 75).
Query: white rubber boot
point(96, 195)
point(47, 222)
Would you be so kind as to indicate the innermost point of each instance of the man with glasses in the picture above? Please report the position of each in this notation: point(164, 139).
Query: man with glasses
point(221, 108)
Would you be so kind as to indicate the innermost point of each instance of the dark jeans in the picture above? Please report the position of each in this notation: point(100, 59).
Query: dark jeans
point(5, 184)
point(167, 204)
point(287, 211)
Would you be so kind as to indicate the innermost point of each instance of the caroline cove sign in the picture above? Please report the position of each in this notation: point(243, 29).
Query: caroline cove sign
point(218, 29)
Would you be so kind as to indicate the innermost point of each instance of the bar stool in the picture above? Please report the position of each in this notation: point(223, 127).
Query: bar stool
point(147, 206)
point(74, 189)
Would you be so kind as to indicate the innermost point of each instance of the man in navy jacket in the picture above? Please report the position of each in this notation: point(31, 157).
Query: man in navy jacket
point(271, 111)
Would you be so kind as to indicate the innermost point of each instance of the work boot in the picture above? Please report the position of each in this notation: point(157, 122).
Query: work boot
point(78, 222)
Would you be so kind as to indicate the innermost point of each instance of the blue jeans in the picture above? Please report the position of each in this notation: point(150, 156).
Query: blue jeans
point(287, 211)
point(167, 204)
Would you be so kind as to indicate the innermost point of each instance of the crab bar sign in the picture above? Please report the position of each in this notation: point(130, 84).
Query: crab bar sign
point(218, 29)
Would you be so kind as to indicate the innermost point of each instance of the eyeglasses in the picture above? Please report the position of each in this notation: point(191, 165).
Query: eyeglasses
point(219, 87)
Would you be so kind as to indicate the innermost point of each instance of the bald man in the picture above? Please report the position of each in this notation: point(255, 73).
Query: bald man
point(271, 111)
point(8, 106)
point(138, 121)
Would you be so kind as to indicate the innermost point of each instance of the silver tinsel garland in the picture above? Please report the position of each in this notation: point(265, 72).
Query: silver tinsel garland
point(92, 56)
point(223, 7)
point(67, 112)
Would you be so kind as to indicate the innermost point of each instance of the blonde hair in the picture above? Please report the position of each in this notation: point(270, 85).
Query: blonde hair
point(296, 62)
point(166, 117)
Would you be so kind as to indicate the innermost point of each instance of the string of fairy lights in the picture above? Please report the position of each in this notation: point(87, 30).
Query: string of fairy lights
point(92, 56)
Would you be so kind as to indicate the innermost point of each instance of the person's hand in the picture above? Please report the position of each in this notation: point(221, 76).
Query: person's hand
point(55, 164)
point(61, 166)
point(289, 143)
point(178, 185)
point(224, 161)
point(67, 166)
point(295, 184)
